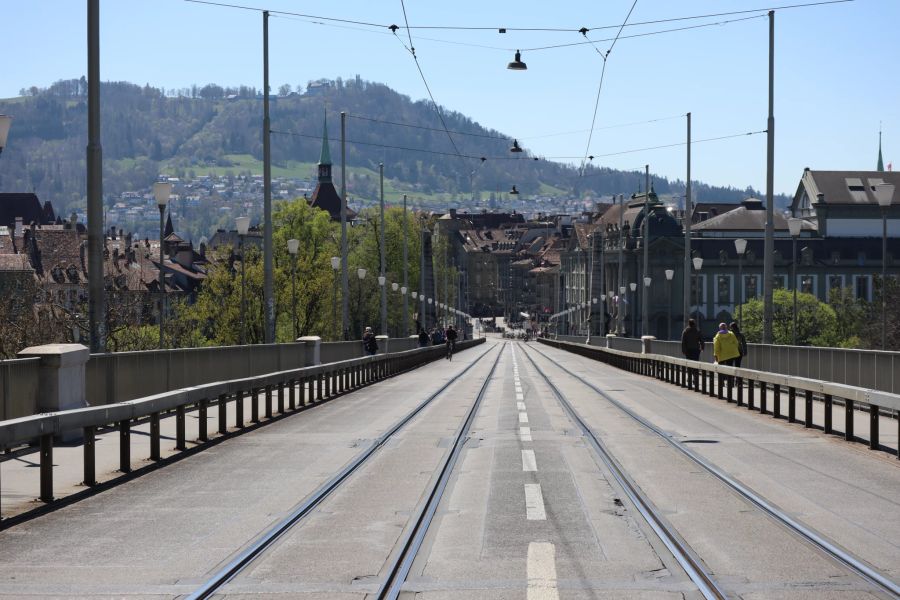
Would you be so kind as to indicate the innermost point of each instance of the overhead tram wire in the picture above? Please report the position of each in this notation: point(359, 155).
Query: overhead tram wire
point(482, 158)
point(605, 58)
point(412, 51)
point(426, 128)
point(393, 28)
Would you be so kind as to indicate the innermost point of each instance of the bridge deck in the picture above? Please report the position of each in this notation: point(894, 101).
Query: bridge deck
point(530, 511)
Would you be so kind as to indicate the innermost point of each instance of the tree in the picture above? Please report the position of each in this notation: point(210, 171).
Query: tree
point(817, 323)
point(284, 90)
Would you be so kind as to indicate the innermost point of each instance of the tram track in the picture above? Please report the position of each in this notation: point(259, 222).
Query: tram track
point(253, 552)
point(809, 535)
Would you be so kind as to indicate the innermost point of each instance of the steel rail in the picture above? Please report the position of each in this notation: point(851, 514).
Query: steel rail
point(252, 552)
point(415, 535)
point(819, 540)
point(693, 566)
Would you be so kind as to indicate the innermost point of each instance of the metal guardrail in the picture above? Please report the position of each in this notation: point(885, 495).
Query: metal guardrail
point(313, 384)
point(733, 384)
point(875, 368)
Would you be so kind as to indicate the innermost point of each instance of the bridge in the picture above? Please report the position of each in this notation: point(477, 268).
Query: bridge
point(539, 470)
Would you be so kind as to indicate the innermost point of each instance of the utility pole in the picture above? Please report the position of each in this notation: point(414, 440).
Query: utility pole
point(688, 216)
point(645, 289)
point(268, 274)
point(345, 282)
point(769, 250)
point(96, 300)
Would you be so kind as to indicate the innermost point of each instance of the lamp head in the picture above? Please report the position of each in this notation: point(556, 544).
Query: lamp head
point(161, 191)
point(622, 290)
point(594, 300)
point(884, 192)
point(335, 262)
point(647, 281)
point(293, 246)
point(381, 280)
point(517, 64)
point(243, 225)
point(403, 290)
point(513, 191)
point(361, 273)
point(794, 226)
point(395, 286)
point(633, 286)
point(698, 262)
point(740, 245)
point(670, 273)
point(5, 122)
point(515, 147)
point(415, 295)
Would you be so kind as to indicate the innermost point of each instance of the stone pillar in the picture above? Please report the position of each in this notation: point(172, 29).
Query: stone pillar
point(647, 344)
point(609, 339)
point(382, 341)
point(313, 354)
point(61, 385)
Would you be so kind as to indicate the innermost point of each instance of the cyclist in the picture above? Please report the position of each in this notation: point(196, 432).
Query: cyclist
point(451, 341)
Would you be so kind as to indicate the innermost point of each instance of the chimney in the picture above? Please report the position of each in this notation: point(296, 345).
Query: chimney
point(19, 228)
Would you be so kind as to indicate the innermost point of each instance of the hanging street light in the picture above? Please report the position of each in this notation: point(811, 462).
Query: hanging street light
point(698, 264)
point(740, 245)
point(517, 64)
point(515, 147)
point(670, 273)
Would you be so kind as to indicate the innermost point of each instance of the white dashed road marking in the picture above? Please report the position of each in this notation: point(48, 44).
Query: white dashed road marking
point(520, 405)
point(523, 417)
point(542, 571)
point(529, 462)
point(534, 503)
point(525, 433)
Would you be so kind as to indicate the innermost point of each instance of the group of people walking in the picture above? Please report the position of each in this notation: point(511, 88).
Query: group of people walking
point(437, 336)
point(729, 344)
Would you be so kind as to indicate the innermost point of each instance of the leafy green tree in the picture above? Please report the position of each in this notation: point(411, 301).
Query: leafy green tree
point(817, 323)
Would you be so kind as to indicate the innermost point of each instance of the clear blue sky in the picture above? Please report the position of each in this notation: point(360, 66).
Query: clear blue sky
point(835, 70)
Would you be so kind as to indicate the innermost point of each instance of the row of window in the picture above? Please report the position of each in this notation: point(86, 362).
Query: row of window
point(725, 292)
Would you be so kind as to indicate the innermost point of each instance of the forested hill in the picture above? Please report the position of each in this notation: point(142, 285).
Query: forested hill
point(146, 130)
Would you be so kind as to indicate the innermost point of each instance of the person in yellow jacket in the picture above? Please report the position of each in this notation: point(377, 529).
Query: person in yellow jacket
point(726, 347)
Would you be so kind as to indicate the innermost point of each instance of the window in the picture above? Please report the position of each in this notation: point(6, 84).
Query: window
point(702, 282)
point(723, 289)
point(778, 282)
point(862, 287)
point(835, 284)
point(751, 286)
point(807, 284)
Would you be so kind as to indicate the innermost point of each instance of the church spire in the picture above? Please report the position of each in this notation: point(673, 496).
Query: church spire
point(880, 161)
point(325, 157)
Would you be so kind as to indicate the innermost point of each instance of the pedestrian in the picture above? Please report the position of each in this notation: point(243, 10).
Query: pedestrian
point(726, 347)
point(691, 346)
point(370, 344)
point(423, 337)
point(691, 341)
point(742, 342)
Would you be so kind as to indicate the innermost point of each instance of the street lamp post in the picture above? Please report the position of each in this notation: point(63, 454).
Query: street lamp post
point(645, 325)
point(698, 264)
point(162, 191)
point(243, 225)
point(884, 193)
point(361, 274)
point(405, 270)
point(740, 245)
point(293, 246)
point(794, 227)
point(381, 281)
point(335, 266)
point(620, 312)
point(670, 273)
point(633, 287)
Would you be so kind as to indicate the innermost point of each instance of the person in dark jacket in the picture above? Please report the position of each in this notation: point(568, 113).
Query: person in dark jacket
point(742, 342)
point(691, 341)
point(370, 344)
point(423, 338)
point(691, 347)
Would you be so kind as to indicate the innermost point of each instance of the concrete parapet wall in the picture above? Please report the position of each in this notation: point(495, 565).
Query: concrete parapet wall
point(19, 384)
